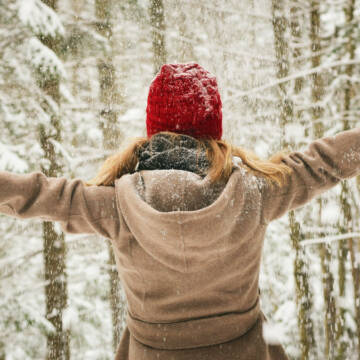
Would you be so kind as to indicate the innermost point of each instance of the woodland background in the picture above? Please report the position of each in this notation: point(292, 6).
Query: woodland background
point(74, 77)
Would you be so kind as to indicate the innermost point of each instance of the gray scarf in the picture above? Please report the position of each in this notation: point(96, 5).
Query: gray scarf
point(183, 153)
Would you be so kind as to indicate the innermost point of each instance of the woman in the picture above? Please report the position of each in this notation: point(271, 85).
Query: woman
point(186, 220)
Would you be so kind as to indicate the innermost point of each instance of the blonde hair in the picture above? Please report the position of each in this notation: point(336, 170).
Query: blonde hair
point(219, 153)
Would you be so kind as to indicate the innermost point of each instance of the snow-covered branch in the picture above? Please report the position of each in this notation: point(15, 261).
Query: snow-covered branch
point(329, 239)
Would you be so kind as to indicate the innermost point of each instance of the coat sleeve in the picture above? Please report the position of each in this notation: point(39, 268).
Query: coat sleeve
point(77, 207)
point(321, 166)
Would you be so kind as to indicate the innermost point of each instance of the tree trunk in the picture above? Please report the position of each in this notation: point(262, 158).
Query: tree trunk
point(185, 49)
point(317, 91)
point(303, 292)
point(74, 45)
point(282, 59)
point(2, 351)
point(347, 220)
point(157, 22)
point(111, 139)
point(296, 38)
point(355, 269)
point(328, 293)
point(344, 227)
point(252, 43)
point(303, 295)
point(58, 346)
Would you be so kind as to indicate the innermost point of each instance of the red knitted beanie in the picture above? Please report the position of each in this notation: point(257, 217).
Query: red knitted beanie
point(184, 98)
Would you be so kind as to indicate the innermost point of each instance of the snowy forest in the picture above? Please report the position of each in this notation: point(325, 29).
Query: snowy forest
point(74, 79)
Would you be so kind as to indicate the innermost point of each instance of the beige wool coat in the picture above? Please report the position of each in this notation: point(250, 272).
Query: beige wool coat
point(188, 253)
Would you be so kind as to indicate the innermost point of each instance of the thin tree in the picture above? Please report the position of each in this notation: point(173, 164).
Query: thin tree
point(54, 243)
point(157, 23)
point(74, 43)
point(252, 41)
point(346, 222)
point(317, 92)
point(286, 105)
point(304, 299)
point(282, 65)
point(111, 138)
point(185, 49)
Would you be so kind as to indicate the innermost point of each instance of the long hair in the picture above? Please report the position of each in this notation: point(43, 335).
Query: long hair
point(219, 153)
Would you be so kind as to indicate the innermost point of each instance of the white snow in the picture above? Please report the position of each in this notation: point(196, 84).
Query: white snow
point(273, 333)
point(41, 18)
point(10, 161)
point(44, 59)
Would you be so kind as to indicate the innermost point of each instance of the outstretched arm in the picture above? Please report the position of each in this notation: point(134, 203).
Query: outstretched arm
point(78, 208)
point(321, 166)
